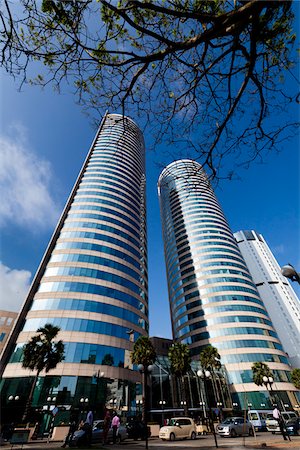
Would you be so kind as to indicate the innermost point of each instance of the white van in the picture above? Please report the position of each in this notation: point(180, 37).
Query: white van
point(258, 418)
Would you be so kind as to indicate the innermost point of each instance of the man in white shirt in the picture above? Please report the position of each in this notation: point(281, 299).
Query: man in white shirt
point(115, 423)
point(276, 413)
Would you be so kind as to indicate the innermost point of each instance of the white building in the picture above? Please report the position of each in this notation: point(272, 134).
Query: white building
point(278, 296)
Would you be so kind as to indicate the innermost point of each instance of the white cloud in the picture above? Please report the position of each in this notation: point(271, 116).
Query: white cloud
point(25, 181)
point(14, 287)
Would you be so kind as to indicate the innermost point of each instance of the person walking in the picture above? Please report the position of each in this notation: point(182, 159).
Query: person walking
point(88, 427)
point(279, 418)
point(72, 429)
point(106, 426)
point(115, 425)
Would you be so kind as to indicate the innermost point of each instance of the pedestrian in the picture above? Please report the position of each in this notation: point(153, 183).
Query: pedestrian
point(115, 425)
point(88, 427)
point(72, 429)
point(106, 426)
point(279, 418)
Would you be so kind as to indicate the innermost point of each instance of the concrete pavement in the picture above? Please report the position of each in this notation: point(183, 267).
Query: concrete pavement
point(263, 440)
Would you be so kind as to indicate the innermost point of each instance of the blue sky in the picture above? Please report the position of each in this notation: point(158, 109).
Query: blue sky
point(44, 140)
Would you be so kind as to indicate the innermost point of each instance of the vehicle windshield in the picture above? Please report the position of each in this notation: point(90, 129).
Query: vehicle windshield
point(173, 422)
point(228, 420)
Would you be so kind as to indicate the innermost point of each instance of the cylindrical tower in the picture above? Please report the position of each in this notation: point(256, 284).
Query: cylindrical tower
point(92, 281)
point(213, 299)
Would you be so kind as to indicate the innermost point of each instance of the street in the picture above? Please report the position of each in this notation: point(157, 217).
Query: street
point(261, 440)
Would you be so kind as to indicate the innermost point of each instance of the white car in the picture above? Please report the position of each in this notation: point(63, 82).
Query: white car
point(178, 428)
point(273, 425)
point(235, 426)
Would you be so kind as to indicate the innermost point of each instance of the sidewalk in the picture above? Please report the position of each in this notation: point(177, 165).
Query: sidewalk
point(155, 444)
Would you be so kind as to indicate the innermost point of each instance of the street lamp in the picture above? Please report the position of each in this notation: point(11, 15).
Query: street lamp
point(139, 405)
point(162, 404)
point(268, 382)
point(205, 375)
point(145, 370)
point(113, 402)
point(219, 406)
point(13, 397)
point(203, 406)
point(290, 272)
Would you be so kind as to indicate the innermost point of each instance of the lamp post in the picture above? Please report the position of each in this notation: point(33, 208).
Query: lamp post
point(162, 404)
point(50, 420)
point(203, 407)
point(290, 272)
point(113, 403)
point(139, 405)
point(145, 370)
point(13, 397)
point(205, 375)
point(83, 401)
point(219, 406)
point(268, 381)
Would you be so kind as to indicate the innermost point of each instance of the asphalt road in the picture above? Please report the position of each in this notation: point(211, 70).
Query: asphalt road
point(261, 440)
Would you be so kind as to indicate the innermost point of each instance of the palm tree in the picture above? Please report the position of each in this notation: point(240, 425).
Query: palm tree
point(259, 371)
point(143, 352)
point(41, 353)
point(144, 355)
point(210, 361)
point(295, 375)
point(180, 359)
point(210, 358)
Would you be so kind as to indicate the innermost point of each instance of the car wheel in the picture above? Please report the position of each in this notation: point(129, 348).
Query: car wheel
point(193, 435)
point(172, 437)
point(233, 433)
point(273, 432)
point(251, 432)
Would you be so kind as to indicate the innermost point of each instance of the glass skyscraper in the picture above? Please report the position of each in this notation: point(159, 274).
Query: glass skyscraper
point(92, 281)
point(213, 299)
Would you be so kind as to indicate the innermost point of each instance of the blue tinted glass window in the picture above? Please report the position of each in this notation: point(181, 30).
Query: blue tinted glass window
point(68, 286)
point(82, 325)
point(98, 248)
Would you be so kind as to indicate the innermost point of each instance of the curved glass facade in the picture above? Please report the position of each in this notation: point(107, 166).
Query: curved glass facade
point(92, 282)
point(213, 299)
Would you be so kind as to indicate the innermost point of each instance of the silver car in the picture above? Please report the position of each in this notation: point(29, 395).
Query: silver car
point(235, 426)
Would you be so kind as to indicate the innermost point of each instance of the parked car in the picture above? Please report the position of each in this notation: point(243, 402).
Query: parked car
point(79, 438)
point(235, 426)
point(137, 429)
point(293, 426)
point(178, 428)
point(273, 425)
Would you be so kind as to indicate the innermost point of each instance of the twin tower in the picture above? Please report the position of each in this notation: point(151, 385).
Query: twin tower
point(92, 281)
